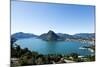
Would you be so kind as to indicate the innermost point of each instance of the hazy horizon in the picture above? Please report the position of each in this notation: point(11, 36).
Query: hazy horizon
point(39, 18)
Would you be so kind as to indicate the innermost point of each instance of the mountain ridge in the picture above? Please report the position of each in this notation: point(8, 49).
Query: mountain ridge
point(52, 36)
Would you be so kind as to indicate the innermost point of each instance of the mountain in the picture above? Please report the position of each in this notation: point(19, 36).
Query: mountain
point(85, 35)
point(50, 36)
point(60, 36)
point(21, 35)
point(64, 36)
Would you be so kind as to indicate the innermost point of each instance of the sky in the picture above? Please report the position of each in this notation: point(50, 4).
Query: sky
point(39, 18)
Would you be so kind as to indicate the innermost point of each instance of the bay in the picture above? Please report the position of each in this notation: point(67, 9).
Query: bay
point(54, 47)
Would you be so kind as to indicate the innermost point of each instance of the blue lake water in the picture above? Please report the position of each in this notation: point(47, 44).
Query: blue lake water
point(55, 47)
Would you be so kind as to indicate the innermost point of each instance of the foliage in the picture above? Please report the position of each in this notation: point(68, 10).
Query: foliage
point(27, 57)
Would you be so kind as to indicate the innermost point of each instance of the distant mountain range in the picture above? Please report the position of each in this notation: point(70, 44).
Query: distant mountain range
point(60, 36)
point(85, 35)
point(52, 36)
point(21, 35)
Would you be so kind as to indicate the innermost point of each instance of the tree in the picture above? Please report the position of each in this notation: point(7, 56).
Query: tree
point(74, 56)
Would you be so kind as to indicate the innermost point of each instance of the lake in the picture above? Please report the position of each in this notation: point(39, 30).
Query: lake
point(54, 47)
